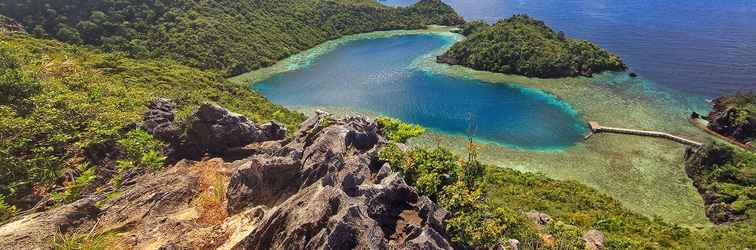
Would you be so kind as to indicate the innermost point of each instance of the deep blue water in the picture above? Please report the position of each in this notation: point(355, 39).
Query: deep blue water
point(375, 75)
point(697, 47)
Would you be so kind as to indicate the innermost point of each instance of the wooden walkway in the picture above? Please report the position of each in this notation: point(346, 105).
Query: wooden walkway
point(596, 128)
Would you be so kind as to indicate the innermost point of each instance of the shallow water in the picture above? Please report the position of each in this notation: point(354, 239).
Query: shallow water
point(377, 75)
point(697, 47)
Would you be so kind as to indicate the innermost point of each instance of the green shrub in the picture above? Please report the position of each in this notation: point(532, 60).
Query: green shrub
point(142, 150)
point(6, 211)
point(397, 131)
point(74, 189)
point(455, 185)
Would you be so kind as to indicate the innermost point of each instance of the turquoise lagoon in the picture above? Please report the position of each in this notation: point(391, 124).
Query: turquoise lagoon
point(380, 75)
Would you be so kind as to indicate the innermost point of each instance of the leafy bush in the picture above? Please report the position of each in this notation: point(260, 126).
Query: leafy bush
point(74, 189)
point(141, 150)
point(525, 46)
point(6, 211)
point(444, 178)
point(397, 131)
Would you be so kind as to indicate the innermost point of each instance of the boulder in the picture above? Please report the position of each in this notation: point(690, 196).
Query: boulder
point(593, 240)
point(211, 129)
point(160, 120)
point(214, 129)
point(272, 131)
point(540, 219)
point(513, 244)
point(262, 181)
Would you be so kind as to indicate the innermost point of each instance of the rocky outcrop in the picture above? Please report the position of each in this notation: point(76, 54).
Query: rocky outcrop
point(160, 120)
point(321, 189)
point(593, 240)
point(731, 117)
point(37, 230)
point(211, 129)
point(538, 218)
point(324, 191)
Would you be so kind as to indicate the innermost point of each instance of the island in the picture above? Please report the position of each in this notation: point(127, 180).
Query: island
point(522, 45)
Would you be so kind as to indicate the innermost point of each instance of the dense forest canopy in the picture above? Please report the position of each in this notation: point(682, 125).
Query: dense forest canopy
point(525, 46)
point(231, 36)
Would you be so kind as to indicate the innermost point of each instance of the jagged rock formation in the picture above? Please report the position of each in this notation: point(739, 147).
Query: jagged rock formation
point(322, 189)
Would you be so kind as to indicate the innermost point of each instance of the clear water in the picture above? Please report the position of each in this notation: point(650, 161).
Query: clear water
point(375, 75)
point(695, 47)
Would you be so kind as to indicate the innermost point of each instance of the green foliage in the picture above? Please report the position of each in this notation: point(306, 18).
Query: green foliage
point(16, 87)
point(727, 176)
point(6, 211)
point(735, 116)
point(489, 209)
point(141, 150)
point(74, 189)
point(81, 97)
point(525, 46)
point(230, 36)
point(397, 131)
point(445, 178)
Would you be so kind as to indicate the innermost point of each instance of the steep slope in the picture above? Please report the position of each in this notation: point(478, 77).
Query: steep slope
point(231, 36)
point(63, 107)
point(525, 46)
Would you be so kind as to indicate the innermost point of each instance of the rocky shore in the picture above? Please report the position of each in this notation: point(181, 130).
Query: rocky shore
point(734, 117)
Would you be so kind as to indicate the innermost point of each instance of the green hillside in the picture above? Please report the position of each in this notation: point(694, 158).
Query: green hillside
point(230, 36)
point(60, 100)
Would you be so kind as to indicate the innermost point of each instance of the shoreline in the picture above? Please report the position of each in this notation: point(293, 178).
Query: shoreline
point(306, 57)
point(646, 175)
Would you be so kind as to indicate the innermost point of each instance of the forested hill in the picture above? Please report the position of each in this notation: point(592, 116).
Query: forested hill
point(525, 46)
point(229, 35)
